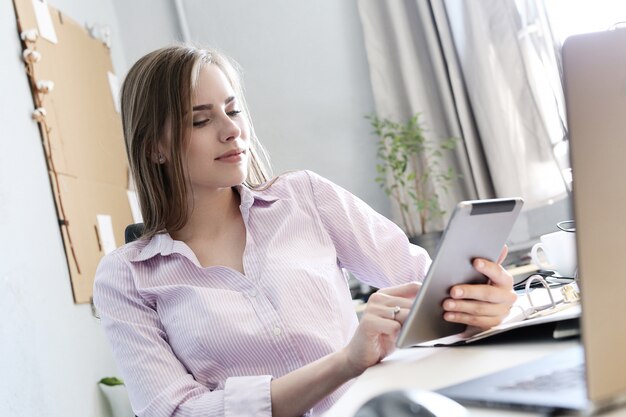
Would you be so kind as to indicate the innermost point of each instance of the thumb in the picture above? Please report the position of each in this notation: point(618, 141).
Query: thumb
point(495, 272)
point(502, 257)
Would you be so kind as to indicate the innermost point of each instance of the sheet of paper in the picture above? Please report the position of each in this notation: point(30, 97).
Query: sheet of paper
point(44, 21)
point(115, 90)
point(105, 232)
point(134, 206)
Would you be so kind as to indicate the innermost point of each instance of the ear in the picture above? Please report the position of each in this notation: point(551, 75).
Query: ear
point(159, 157)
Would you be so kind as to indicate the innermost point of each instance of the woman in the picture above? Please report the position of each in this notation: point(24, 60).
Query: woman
point(234, 301)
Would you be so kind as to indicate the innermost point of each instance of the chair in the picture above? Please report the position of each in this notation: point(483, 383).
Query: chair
point(133, 232)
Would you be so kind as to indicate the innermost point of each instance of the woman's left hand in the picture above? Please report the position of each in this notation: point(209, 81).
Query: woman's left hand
point(482, 305)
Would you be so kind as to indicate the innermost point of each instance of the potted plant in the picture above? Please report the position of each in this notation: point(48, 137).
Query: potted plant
point(410, 172)
point(115, 393)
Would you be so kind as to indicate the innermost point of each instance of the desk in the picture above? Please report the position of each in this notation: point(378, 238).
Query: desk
point(433, 368)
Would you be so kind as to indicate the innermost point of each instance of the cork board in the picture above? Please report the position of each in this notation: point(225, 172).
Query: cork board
point(81, 136)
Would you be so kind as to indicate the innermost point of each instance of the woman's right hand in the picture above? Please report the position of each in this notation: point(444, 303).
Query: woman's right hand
point(380, 324)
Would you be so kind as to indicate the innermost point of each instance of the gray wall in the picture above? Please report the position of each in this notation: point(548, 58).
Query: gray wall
point(52, 352)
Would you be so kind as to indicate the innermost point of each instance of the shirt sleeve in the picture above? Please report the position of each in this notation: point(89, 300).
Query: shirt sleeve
point(157, 382)
point(368, 244)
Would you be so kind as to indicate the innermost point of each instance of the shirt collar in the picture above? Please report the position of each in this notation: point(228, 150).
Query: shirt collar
point(163, 244)
point(250, 196)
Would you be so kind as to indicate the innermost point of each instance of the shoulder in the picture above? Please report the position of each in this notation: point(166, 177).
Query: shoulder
point(116, 264)
point(304, 185)
point(129, 251)
point(296, 180)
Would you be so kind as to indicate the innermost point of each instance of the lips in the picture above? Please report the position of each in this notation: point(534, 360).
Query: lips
point(235, 155)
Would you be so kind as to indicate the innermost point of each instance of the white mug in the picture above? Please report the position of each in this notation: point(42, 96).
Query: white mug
point(557, 252)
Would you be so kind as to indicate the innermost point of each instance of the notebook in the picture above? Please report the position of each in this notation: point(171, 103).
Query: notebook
point(594, 67)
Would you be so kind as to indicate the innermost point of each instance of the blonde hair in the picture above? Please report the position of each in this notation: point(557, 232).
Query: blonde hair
point(157, 95)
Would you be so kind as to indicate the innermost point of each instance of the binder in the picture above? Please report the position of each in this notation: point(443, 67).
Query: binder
point(534, 306)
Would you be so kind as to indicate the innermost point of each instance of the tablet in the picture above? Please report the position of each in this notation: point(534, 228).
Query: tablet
point(477, 229)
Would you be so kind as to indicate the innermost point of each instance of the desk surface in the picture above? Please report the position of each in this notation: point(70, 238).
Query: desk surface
point(434, 368)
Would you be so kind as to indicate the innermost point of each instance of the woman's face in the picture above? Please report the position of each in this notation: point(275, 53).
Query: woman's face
point(217, 153)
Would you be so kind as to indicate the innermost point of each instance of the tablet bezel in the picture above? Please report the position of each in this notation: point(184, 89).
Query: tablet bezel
point(476, 229)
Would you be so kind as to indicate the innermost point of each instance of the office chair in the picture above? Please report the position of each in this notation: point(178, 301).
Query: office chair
point(133, 232)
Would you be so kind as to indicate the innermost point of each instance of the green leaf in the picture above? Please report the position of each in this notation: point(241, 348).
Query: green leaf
point(400, 146)
point(111, 381)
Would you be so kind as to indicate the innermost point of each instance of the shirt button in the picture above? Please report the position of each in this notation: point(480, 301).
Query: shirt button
point(277, 331)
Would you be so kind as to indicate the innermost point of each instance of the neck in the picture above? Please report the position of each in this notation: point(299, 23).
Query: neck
point(210, 214)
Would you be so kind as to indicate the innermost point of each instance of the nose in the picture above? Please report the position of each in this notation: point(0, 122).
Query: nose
point(229, 129)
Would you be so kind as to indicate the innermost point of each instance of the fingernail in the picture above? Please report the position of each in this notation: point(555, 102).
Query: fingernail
point(480, 264)
point(457, 292)
point(449, 316)
point(451, 305)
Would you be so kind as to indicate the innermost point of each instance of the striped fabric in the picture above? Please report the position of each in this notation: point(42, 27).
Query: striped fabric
point(194, 341)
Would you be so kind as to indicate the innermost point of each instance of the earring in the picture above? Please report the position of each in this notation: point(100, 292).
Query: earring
point(161, 159)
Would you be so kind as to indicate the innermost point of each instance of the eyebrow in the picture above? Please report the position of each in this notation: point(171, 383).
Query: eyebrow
point(210, 106)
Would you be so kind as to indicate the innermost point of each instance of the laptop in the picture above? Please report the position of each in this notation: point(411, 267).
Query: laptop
point(594, 373)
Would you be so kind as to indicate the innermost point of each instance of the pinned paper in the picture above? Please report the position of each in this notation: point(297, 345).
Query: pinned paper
point(44, 20)
point(134, 206)
point(115, 90)
point(105, 233)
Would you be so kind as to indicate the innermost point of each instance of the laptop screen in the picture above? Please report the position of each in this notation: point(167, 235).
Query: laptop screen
point(594, 67)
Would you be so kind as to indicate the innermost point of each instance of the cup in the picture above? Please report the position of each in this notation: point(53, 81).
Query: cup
point(556, 251)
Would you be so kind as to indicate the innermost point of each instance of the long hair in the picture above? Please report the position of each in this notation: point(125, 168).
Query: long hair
point(156, 95)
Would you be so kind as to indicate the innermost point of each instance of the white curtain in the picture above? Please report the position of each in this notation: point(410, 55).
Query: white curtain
point(411, 72)
point(482, 70)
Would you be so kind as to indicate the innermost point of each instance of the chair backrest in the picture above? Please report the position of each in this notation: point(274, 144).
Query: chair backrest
point(133, 232)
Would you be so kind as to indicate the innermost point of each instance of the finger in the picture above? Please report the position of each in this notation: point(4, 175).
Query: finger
point(482, 322)
point(495, 272)
point(408, 290)
point(389, 300)
point(377, 325)
point(488, 293)
point(387, 312)
point(476, 308)
point(502, 257)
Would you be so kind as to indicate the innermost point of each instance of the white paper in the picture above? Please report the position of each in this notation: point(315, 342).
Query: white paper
point(134, 206)
point(105, 232)
point(44, 20)
point(115, 90)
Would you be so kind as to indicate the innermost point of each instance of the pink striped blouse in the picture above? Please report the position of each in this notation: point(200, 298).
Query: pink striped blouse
point(193, 341)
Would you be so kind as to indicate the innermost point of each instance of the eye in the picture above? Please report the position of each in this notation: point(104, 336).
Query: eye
point(200, 123)
point(233, 113)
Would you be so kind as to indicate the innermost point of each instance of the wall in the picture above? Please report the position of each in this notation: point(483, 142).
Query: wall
point(145, 25)
point(52, 352)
